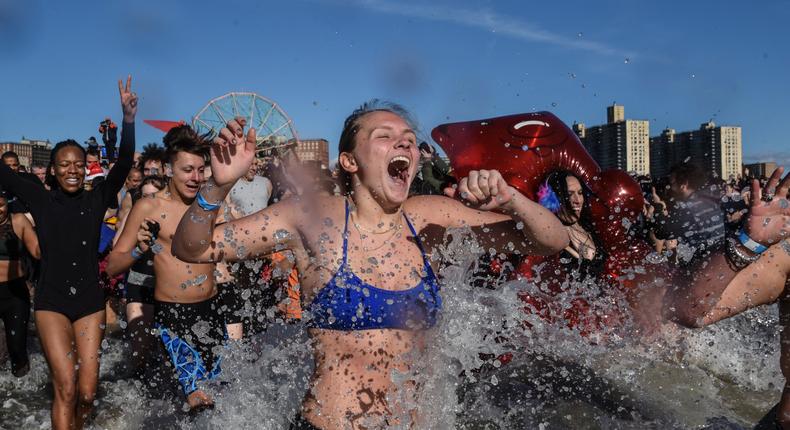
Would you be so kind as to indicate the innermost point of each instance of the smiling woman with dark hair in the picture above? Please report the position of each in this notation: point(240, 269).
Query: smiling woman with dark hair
point(69, 303)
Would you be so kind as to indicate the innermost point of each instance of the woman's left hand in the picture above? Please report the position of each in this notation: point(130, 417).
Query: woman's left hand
point(484, 189)
point(128, 100)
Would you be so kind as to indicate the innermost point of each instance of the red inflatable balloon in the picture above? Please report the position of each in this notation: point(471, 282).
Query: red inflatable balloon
point(526, 148)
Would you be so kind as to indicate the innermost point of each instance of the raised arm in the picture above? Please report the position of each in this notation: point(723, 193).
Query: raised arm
point(123, 164)
point(519, 225)
point(722, 287)
point(197, 240)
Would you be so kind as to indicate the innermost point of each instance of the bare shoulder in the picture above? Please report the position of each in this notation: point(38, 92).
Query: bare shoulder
point(19, 221)
point(147, 205)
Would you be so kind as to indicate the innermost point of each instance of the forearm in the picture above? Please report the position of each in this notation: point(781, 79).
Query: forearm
point(119, 262)
point(123, 164)
point(542, 230)
point(27, 191)
point(195, 231)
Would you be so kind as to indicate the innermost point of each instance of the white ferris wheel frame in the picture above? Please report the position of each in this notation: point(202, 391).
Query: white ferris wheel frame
point(251, 119)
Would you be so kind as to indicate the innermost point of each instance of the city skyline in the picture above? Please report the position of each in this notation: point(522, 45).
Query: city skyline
point(447, 62)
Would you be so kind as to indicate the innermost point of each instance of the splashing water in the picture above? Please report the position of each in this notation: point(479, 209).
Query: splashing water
point(724, 376)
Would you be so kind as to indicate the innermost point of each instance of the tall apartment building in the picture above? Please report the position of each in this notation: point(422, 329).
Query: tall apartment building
point(314, 150)
point(717, 149)
point(620, 143)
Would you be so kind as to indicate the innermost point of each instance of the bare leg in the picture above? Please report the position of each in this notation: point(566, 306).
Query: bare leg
point(57, 340)
point(88, 334)
point(140, 318)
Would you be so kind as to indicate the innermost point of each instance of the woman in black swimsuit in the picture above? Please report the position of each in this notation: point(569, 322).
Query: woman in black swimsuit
point(16, 234)
point(69, 303)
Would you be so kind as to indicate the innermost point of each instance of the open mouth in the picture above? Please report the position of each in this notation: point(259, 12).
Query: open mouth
point(72, 181)
point(398, 168)
point(193, 187)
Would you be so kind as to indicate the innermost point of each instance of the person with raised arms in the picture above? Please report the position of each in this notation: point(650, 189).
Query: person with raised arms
point(362, 258)
point(69, 303)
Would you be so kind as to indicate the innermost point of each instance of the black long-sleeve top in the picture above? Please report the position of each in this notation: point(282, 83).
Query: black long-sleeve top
point(69, 225)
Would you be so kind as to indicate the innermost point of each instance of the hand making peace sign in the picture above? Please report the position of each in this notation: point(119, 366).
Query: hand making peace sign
point(128, 100)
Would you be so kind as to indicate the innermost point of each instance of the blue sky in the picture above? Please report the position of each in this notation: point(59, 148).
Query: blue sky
point(677, 64)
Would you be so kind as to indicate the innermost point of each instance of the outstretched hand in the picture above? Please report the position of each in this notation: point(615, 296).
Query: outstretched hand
point(484, 189)
point(768, 221)
point(128, 100)
point(232, 152)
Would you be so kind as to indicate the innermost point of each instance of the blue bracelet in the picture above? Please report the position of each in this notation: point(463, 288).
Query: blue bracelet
point(750, 243)
point(206, 206)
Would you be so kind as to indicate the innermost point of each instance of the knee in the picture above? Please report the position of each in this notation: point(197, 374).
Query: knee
point(87, 394)
point(65, 390)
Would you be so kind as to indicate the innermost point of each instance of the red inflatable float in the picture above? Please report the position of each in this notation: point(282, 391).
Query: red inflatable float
point(526, 148)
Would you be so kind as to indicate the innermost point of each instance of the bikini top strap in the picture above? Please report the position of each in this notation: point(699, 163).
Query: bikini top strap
point(345, 237)
point(417, 239)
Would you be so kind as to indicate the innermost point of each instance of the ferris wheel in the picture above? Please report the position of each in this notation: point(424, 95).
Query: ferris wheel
point(274, 128)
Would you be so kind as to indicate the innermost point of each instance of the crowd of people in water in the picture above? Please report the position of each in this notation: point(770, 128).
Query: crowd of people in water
point(204, 241)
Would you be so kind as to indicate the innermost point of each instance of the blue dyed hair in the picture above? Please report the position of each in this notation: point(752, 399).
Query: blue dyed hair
point(548, 198)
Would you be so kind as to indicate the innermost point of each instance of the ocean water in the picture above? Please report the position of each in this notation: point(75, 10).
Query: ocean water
point(722, 377)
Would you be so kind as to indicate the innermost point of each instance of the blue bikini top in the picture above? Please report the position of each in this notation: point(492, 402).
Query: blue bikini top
point(347, 303)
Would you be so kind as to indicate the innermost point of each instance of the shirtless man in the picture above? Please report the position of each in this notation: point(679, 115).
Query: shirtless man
point(185, 297)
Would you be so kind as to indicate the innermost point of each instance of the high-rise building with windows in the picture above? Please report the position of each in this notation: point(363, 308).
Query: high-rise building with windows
point(620, 143)
point(717, 149)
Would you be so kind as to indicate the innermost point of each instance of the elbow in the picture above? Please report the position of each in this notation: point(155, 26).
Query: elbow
point(554, 243)
point(112, 268)
point(186, 251)
point(681, 312)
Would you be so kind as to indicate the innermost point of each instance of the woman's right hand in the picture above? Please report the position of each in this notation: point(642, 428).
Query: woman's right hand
point(232, 152)
point(768, 221)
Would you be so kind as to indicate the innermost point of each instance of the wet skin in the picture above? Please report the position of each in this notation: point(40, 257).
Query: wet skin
point(352, 384)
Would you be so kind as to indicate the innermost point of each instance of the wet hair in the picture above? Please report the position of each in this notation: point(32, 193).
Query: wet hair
point(156, 180)
point(348, 142)
point(184, 138)
point(69, 143)
point(10, 154)
point(690, 174)
point(151, 151)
